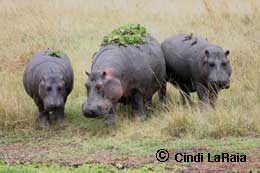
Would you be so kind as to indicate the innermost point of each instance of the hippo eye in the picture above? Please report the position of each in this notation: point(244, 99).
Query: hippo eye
point(224, 64)
point(99, 87)
point(59, 88)
point(212, 64)
point(49, 88)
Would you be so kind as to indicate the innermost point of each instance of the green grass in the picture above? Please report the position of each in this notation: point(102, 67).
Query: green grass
point(64, 149)
point(75, 143)
point(86, 168)
point(77, 28)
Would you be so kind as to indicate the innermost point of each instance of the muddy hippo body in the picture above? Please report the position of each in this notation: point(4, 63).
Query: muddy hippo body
point(140, 70)
point(49, 80)
point(195, 65)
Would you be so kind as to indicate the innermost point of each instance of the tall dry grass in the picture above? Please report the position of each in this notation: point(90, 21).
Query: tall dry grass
point(77, 27)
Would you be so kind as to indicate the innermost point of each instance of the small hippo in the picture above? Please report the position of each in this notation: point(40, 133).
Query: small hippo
point(130, 75)
point(48, 79)
point(195, 65)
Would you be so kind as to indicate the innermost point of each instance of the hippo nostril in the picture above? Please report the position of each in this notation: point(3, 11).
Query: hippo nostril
point(223, 83)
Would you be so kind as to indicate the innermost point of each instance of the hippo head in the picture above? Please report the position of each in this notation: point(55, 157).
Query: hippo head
point(217, 67)
point(52, 91)
point(104, 90)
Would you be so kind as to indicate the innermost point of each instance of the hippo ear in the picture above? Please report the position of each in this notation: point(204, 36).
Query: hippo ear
point(205, 58)
point(227, 52)
point(207, 53)
point(87, 73)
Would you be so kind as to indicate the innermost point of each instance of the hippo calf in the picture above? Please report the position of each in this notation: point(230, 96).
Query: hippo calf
point(48, 79)
point(130, 75)
point(195, 65)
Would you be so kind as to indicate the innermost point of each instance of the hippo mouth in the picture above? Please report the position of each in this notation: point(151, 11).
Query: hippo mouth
point(53, 108)
point(217, 85)
point(92, 115)
point(96, 115)
point(223, 86)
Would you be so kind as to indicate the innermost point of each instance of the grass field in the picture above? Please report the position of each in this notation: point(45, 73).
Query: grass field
point(77, 27)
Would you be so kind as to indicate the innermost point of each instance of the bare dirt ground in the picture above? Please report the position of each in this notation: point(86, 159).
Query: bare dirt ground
point(19, 153)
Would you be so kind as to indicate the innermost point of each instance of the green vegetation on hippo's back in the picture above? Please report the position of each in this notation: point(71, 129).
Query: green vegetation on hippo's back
point(126, 34)
point(54, 53)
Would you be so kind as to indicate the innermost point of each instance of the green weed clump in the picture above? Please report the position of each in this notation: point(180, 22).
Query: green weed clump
point(126, 34)
point(54, 53)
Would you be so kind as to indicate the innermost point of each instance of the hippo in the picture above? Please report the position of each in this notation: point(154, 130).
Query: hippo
point(124, 74)
point(193, 64)
point(48, 80)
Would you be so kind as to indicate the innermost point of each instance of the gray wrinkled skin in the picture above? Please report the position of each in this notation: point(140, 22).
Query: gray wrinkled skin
point(49, 80)
point(129, 75)
point(195, 65)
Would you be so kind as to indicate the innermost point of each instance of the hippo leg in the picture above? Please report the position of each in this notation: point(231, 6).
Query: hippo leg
point(138, 105)
point(162, 92)
point(203, 94)
point(149, 101)
point(185, 96)
point(59, 115)
point(110, 119)
point(43, 119)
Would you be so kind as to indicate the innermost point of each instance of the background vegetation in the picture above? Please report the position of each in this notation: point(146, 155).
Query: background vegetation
point(77, 27)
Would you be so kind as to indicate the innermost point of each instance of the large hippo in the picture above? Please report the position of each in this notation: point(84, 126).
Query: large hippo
point(130, 75)
point(48, 79)
point(195, 65)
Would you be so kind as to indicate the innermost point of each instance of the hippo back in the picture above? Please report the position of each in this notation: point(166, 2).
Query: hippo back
point(141, 68)
point(183, 47)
